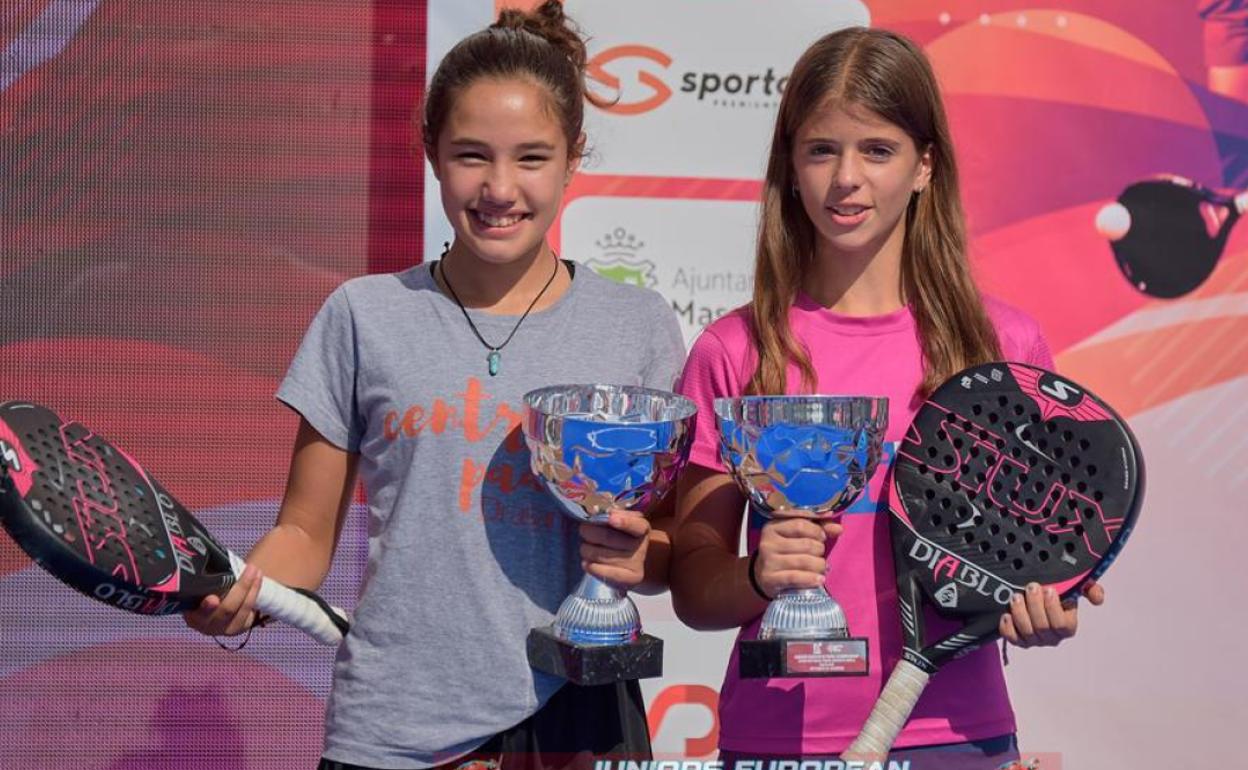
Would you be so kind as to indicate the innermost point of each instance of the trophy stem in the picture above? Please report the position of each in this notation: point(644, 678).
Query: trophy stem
point(804, 613)
point(597, 613)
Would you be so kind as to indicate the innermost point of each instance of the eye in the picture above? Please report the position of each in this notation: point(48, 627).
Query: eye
point(822, 150)
point(470, 156)
point(879, 152)
point(534, 160)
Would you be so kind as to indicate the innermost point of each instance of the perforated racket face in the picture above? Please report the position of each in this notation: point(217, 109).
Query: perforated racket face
point(1010, 474)
point(1169, 250)
point(90, 515)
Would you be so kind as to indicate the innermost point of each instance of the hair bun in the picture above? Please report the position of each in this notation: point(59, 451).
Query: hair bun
point(548, 22)
point(542, 46)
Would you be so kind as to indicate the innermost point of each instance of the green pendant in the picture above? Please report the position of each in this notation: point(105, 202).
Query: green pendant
point(492, 359)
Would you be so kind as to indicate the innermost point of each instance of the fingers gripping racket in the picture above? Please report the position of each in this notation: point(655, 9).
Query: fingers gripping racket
point(88, 513)
point(1008, 475)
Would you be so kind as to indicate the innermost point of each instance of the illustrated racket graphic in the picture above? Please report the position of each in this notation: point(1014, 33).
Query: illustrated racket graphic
point(1008, 475)
point(1167, 234)
point(88, 513)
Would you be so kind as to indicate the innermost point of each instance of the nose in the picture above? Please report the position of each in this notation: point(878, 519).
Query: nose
point(500, 185)
point(848, 171)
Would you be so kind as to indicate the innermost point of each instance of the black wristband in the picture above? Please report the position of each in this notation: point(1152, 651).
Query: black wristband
point(754, 580)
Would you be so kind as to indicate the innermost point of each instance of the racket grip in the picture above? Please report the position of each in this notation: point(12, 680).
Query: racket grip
point(890, 713)
point(306, 612)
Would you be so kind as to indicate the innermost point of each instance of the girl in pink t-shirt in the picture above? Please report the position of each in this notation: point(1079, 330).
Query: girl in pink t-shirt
point(861, 287)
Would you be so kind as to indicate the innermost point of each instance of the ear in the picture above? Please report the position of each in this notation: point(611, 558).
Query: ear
point(924, 176)
point(574, 162)
point(431, 155)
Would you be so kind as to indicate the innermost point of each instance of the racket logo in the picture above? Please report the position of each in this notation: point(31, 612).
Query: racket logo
point(947, 563)
point(19, 465)
point(960, 573)
point(916, 658)
point(1059, 509)
point(184, 548)
point(10, 456)
point(96, 508)
point(1060, 390)
point(1056, 397)
point(947, 596)
point(135, 602)
point(1020, 433)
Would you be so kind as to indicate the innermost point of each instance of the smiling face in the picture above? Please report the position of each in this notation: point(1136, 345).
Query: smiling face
point(855, 173)
point(503, 162)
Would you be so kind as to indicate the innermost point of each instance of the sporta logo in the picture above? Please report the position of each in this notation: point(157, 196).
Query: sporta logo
point(726, 89)
point(596, 69)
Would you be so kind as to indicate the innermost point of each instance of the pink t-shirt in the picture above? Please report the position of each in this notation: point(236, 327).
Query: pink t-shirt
point(877, 356)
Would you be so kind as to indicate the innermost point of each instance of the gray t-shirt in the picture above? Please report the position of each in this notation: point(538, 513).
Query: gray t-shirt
point(466, 552)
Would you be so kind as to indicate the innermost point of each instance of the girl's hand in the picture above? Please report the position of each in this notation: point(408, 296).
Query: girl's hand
point(792, 553)
point(1037, 618)
point(616, 553)
point(229, 615)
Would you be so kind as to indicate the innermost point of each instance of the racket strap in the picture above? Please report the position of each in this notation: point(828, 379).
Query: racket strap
point(240, 645)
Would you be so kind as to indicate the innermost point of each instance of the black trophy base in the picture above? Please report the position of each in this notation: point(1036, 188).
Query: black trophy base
point(772, 658)
point(595, 664)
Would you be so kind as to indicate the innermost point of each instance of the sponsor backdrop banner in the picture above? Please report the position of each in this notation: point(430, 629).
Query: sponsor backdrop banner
point(182, 184)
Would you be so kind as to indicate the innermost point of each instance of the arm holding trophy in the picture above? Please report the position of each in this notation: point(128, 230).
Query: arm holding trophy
point(789, 465)
point(633, 550)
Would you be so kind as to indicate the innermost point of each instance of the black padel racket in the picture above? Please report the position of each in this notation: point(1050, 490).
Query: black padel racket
point(1008, 475)
point(1176, 232)
point(88, 513)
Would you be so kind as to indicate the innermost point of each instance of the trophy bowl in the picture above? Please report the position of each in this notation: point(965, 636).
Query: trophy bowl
point(597, 447)
point(808, 457)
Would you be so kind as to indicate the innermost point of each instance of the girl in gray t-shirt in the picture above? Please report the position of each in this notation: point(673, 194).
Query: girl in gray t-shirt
point(412, 382)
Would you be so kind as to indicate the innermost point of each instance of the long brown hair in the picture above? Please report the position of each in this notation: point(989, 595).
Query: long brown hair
point(543, 46)
point(889, 75)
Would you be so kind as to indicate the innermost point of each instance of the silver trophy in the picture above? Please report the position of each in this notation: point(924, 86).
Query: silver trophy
point(809, 457)
point(598, 447)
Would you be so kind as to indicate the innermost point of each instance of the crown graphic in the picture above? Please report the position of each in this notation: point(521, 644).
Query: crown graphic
point(619, 261)
point(619, 243)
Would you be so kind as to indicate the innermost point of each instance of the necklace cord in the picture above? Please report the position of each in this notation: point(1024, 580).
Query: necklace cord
point(442, 271)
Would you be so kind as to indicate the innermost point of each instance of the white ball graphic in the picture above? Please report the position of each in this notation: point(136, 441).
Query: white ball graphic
point(1113, 221)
